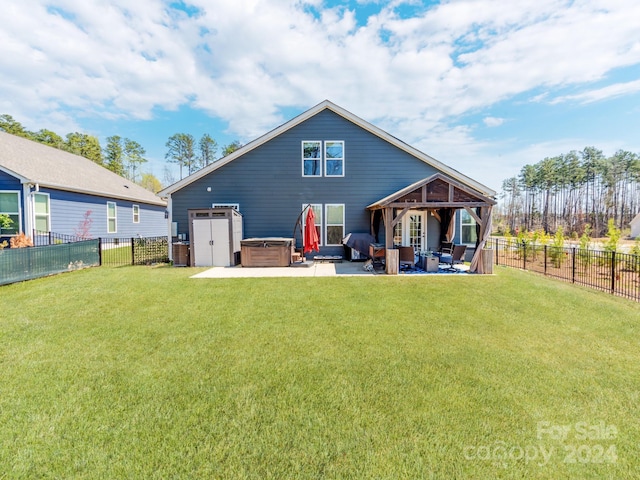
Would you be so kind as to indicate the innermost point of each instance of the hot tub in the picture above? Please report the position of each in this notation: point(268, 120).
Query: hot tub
point(266, 252)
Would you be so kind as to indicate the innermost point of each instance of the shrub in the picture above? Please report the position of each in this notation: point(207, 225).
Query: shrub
point(584, 257)
point(557, 248)
point(613, 234)
point(21, 241)
point(5, 221)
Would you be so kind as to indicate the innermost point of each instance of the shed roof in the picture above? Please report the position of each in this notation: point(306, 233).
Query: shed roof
point(33, 162)
point(327, 105)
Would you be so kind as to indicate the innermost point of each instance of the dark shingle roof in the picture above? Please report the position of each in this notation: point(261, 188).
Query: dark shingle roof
point(36, 163)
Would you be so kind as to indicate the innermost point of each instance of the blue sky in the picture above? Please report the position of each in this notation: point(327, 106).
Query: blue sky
point(485, 86)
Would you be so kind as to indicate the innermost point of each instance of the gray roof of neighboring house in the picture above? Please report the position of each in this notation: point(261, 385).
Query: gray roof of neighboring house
point(33, 162)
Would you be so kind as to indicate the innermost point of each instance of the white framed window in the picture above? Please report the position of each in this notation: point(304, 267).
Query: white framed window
point(10, 206)
point(317, 211)
point(468, 234)
point(334, 223)
point(136, 213)
point(312, 158)
point(112, 217)
point(41, 212)
point(334, 158)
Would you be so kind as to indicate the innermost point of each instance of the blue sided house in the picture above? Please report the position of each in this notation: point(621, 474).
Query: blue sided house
point(358, 179)
point(43, 189)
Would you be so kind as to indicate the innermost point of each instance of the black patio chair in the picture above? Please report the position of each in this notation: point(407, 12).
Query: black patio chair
point(456, 257)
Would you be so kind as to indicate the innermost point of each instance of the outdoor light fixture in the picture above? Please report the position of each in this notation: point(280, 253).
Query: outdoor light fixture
point(208, 189)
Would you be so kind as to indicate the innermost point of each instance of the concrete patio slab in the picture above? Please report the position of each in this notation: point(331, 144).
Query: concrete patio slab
point(314, 270)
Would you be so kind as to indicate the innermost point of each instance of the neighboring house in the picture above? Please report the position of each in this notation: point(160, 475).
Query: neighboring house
point(357, 177)
point(44, 189)
point(635, 227)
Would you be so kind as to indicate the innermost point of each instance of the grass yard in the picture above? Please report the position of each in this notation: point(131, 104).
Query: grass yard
point(139, 372)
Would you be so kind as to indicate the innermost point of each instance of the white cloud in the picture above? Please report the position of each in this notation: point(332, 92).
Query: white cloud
point(242, 60)
point(493, 121)
point(598, 94)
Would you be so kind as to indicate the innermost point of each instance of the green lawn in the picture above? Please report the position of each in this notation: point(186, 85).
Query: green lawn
point(139, 372)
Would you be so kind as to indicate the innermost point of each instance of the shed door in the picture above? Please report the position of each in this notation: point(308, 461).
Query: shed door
point(211, 242)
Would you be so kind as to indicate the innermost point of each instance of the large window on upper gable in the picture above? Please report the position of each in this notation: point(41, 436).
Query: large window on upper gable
point(323, 158)
point(312, 159)
point(334, 158)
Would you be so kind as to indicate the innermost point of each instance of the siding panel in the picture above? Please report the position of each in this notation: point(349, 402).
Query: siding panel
point(268, 184)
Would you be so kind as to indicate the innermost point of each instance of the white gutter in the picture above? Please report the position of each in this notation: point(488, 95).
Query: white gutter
point(29, 211)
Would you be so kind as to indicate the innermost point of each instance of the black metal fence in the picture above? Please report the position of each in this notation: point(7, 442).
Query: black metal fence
point(134, 251)
point(54, 253)
point(50, 238)
point(19, 264)
point(614, 272)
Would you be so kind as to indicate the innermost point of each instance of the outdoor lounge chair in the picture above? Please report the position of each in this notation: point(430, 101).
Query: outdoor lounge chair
point(457, 256)
point(446, 248)
point(406, 256)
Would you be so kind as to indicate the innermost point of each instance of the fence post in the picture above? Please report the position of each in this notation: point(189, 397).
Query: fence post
point(545, 259)
point(524, 255)
point(100, 251)
point(573, 265)
point(497, 253)
point(613, 271)
point(133, 252)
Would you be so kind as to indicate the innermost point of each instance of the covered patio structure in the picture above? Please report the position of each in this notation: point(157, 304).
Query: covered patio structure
point(442, 196)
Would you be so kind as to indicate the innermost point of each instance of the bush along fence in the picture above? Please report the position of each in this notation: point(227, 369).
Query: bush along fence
point(609, 271)
point(53, 253)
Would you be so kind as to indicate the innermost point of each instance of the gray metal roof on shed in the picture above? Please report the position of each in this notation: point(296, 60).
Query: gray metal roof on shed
point(35, 163)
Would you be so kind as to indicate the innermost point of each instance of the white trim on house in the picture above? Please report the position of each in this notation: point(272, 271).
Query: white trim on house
point(327, 105)
point(36, 214)
point(27, 203)
point(342, 159)
point(472, 224)
point(327, 224)
point(312, 159)
point(318, 211)
point(114, 217)
point(19, 212)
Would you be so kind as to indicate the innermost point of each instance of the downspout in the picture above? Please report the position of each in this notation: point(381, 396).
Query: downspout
point(169, 215)
point(27, 204)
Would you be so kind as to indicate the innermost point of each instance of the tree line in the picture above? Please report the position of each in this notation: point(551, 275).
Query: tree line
point(571, 191)
point(183, 150)
point(124, 156)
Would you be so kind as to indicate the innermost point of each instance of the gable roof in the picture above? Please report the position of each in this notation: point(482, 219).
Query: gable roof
point(33, 162)
point(327, 105)
point(436, 191)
